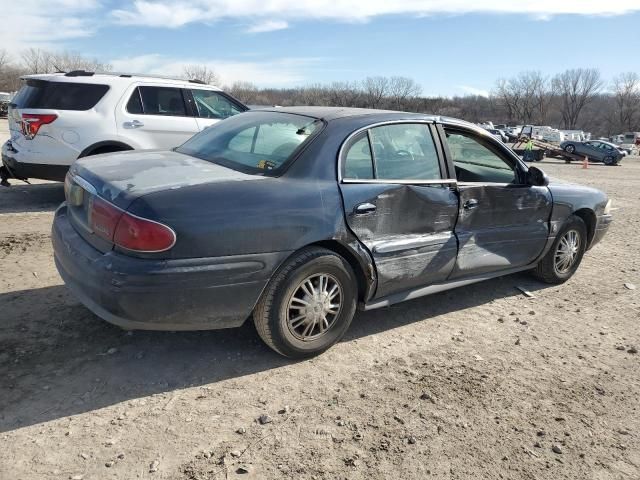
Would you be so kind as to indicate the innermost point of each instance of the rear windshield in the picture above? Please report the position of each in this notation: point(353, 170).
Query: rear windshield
point(253, 142)
point(59, 95)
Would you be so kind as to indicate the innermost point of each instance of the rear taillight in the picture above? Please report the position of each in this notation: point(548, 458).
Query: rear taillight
point(31, 122)
point(142, 235)
point(103, 218)
point(129, 231)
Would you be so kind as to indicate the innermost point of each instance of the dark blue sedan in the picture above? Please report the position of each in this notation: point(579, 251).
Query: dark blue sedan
point(298, 216)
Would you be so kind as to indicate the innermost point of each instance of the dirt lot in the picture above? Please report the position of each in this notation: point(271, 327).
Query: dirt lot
point(481, 382)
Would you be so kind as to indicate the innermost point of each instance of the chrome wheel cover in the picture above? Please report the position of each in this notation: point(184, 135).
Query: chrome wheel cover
point(314, 306)
point(567, 251)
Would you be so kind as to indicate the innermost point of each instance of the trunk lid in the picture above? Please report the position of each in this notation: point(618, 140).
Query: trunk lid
point(120, 178)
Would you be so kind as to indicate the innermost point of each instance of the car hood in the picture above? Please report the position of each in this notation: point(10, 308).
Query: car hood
point(124, 176)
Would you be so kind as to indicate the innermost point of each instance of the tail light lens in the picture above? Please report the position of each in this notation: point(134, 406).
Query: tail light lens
point(129, 231)
point(31, 122)
point(142, 235)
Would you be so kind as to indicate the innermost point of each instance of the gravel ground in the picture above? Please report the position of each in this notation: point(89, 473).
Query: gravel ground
point(480, 382)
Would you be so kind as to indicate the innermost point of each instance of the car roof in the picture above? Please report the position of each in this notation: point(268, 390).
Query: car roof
point(112, 78)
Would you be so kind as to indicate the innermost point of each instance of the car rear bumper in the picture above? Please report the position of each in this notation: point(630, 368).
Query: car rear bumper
point(17, 168)
point(602, 225)
point(149, 294)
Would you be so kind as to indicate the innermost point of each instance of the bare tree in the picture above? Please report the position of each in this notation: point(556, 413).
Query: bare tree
point(375, 89)
point(244, 91)
point(575, 89)
point(401, 89)
point(36, 60)
point(202, 73)
point(626, 93)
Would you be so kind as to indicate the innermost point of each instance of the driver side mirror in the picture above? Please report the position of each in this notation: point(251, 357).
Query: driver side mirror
point(536, 177)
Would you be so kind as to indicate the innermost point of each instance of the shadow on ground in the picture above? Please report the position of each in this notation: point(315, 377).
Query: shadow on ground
point(20, 197)
point(57, 359)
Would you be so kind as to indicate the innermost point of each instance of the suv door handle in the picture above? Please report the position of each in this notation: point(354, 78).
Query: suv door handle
point(364, 209)
point(134, 124)
point(470, 204)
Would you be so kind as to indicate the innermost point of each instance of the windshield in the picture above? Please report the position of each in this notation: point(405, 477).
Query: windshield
point(253, 142)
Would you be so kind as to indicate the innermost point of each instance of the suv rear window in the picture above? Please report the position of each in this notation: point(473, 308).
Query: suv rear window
point(59, 95)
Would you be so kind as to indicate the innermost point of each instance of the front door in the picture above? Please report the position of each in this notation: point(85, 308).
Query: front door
point(400, 205)
point(503, 222)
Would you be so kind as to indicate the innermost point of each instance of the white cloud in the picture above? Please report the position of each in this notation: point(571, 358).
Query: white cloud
point(168, 13)
point(33, 23)
point(268, 26)
point(276, 72)
point(473, 90)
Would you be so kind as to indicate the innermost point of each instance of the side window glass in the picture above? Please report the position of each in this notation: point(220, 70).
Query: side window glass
point(476, 163)
point(358, 162)
point(210, 104)
point(162, 101)
point(405, 151)
point(134, 105)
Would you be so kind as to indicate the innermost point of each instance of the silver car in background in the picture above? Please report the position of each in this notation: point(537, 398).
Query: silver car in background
point(596, 150)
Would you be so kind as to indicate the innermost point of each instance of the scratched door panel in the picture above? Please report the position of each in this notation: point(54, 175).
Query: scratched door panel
point(409, 234)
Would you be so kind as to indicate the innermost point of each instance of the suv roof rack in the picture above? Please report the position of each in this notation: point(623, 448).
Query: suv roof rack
point(79, 73)
point(193, 80)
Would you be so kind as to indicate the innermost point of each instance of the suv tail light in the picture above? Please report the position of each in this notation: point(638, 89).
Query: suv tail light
point(31, 123)
point(129, 231)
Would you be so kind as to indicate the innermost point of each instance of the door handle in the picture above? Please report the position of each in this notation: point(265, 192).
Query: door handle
point(470, 204)
point(364, 209)
point(134, 124)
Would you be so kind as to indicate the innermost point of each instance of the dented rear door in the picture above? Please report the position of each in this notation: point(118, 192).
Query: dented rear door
point(400, 204)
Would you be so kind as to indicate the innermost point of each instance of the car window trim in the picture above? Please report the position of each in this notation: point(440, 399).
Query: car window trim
point(346, 143)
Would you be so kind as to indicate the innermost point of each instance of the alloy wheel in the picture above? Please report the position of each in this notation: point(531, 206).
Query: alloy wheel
point(314, 306)
point(567, 251)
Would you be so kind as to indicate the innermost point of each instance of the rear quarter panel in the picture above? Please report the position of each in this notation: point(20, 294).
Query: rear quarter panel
point(235, 218)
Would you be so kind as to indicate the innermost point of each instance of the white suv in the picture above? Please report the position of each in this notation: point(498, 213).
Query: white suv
point(57, 118)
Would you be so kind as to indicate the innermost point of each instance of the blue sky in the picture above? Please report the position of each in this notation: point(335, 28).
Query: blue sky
point(450, 47)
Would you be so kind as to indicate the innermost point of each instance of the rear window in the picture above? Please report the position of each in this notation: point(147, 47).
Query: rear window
point(59, 95)
point(253, 142)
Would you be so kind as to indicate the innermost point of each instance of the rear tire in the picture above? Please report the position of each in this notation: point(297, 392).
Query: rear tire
point(570, 148)
point(308, 304)
point(565, 255)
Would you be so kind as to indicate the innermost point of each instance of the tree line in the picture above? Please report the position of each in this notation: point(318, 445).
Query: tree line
point(574, 99)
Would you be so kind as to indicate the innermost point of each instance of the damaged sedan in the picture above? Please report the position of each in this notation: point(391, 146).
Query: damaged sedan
point(296, 217)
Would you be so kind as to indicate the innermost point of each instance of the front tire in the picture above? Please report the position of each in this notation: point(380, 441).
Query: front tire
point(308, 304)
point(570, 148)
point(566, 253)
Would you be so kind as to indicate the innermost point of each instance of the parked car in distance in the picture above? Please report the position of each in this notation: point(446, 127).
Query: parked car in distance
point(297, 216)
point(57, 118)
point(5, 98)
point(596, 150)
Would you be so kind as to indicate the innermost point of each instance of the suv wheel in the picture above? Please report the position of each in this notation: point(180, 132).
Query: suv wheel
point(570, 148)
point(564, 257)
point(308, 305)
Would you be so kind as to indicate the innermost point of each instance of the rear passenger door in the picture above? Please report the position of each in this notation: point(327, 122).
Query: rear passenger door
point(210, 106)
point(155, 116)
point(400, 204)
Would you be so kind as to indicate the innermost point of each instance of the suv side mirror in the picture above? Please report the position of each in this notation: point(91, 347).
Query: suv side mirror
point(537, 177)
